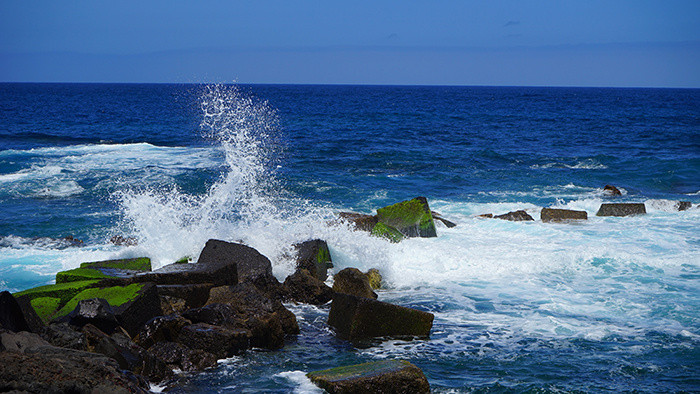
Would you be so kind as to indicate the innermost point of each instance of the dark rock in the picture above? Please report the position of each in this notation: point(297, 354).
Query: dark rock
point(120, 240)
point(486, 216)
point(171, 305)
point(161, 329)
point(269, 286)
point(515, 216)
point(95, 311)
point(178, 356)
point(220, 341)
point(361, 221)
point(357, 318)
point(374, 277)
point(315, 257)
point(194, 295)
point(49, 369)
point(611, 190)
point(64, 335)
point(559, 215)
point(683, 205)
point(304, 287)
point(13, 316)
point(438, 217)
point(21, 341)
point(386, 376)
point(249, 262)
point(353, 281)
point(412, 218)
point(621, 209)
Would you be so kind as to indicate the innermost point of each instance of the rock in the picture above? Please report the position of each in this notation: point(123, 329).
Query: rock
point(315, 257)
point(49, 369)
point(161, 329)
point(361, 221)
point(249, 262)
point(308, 289)
point(515, 216)
point(611, 190)
point(179, 298)
point(357, 318)
point(15, 317)
point(621, 209)
point(21, 341)
point(353, 281)
point(171, 305)
point(183, 358)
point(683, 205)
point(47, 300)
point(559, 215)
point(120, 240)
point(374, 277)
point(438, 217)
point(383, 231)
point(95, 311)
point(220, 341)
point(486, 216)
point(64, 335)
point(133, 305)
point(386, 376)
point(412, 218)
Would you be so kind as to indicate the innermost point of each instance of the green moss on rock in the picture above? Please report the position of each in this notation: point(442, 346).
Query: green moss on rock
point(137, 264)
point(45, 307)
point(386, 376)
point(63, 291)
point(412, 218)
point(79, 274)
point(388, 232)
point(115, 296)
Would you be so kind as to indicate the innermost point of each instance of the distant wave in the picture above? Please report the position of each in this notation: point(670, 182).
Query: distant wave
point(581, 165)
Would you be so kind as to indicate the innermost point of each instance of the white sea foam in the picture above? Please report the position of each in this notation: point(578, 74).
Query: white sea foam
point(302, 384)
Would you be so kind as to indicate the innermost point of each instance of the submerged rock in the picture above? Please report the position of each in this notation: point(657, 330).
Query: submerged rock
point(314, 257)
point(306, 288)
point(611, 190)
point(352, 281)
point(357, 318)
point(412, 218)
point(386, 376)
point(361, 221)
point(515, 216)
point(621, 209)
point(559, 215)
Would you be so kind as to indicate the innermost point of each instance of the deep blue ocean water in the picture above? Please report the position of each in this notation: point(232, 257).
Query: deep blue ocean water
point(612, 304)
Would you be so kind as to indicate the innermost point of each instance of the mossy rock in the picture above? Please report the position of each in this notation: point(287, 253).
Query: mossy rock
point(46, 307)
point(388, 232)
point(375, 278)
point(137, 264)
point(115, 296)
point(412, 218)
point(386, 376)
point(79, 274)
point(62, 291)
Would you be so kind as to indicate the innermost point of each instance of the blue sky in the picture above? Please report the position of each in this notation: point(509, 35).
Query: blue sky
point(542, 43)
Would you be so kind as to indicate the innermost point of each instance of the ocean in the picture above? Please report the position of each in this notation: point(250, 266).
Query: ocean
point(611, 304)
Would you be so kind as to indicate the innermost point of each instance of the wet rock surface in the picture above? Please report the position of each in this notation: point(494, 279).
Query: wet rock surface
point(353, 281)
point(515, 216)
point(306, 288)
point(386, 376)
point(621, 209)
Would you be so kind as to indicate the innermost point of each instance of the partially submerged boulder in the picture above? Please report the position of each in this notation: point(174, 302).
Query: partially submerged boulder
point(611, 190)
point(621, 209)
point(314, 256)
point(683, 205)
point(353, 281)
point(515, 216)
point(560, 215)
point(412, 218)
point(361, 221)
point(358, 318)
point(386, 376)
point(306, 288)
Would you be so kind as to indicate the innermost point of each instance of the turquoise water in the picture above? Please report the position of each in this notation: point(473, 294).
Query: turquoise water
point(611, 304)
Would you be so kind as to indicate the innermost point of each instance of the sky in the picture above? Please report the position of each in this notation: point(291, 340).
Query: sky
point(442, 42)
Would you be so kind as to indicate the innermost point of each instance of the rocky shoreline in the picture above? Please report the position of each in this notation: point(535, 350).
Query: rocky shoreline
point(115, 326)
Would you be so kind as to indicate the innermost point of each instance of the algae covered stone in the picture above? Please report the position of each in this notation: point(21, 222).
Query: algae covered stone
point(47, 300)
point(388, 232)
point(561, 215)
point(314, 256)
point(412, 218)
point(386, 376)
point(137, 264)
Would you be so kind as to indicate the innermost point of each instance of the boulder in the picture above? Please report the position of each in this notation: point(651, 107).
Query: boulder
point(177, 356)
point(220, 341)
point(515, 216)
point(47, 300)
point(438, 217)
point(611, 190)
point(308, 289)
point(383, 231)
point(360, 221)
point(18, 315)
point(683, 205)
point(161, 329)
point(94, 311)
point(412, 218)
point(21, 341)
point(560, 215)
point(315, 257)
point(353, 281)
point(133, 305)
point(249, 262)
point(621, 209)
point(65, 335)
point(374, 277)
point(49, 369)
point(358, 318)
point(182, 297)
point(386, 376)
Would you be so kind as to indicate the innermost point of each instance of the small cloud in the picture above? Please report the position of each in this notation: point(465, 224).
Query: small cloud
point(511, 23)
point(392, 36)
